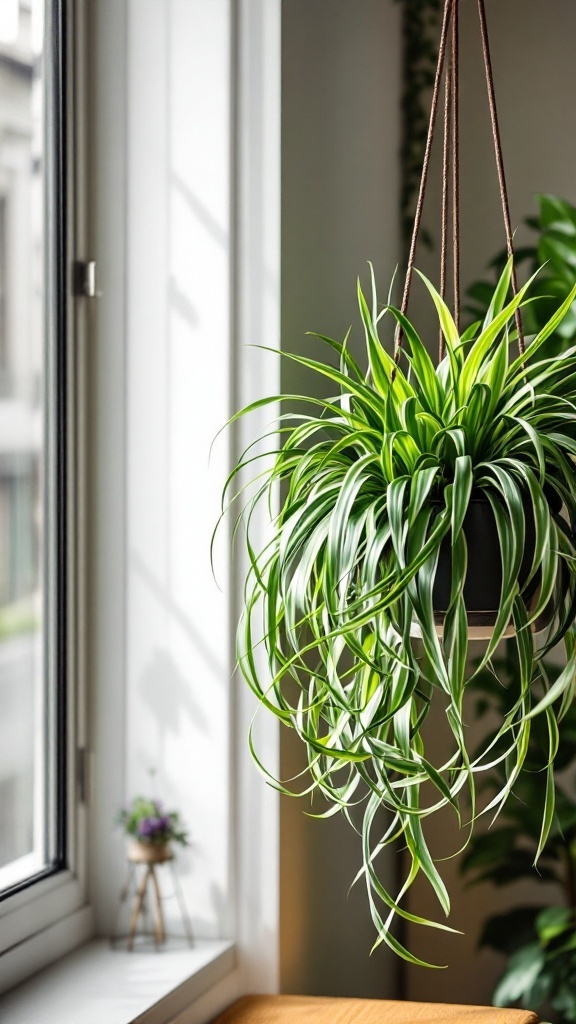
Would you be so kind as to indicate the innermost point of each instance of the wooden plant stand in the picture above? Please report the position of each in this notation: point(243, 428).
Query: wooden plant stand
point(143, 861)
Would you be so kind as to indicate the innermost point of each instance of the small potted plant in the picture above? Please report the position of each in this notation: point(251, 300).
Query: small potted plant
point(151, 829)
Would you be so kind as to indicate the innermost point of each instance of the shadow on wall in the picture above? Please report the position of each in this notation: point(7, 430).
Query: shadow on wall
point(167, 603)
point(166, 692)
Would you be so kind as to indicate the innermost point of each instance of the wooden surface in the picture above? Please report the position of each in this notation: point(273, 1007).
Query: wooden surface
point(324, 1010)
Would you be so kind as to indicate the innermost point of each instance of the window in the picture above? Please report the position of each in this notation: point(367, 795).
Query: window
point(176, 206)
point(29, 406)
point(39, 866)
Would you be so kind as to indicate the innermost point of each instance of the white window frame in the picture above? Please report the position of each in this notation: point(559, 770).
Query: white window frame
point(255, 220)
point(47, 917)
point(101, 429)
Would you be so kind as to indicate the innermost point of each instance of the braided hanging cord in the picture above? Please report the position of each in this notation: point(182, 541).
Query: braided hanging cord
point(451, 162)
point(451, 134)
point(445, 179)
point(499, 161)
point(424, 178)
point(456, 164)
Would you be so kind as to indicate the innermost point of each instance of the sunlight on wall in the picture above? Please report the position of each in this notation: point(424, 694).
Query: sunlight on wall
point(178, 367)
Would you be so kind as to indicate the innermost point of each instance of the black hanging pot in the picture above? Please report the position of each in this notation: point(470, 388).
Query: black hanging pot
point(483, 585)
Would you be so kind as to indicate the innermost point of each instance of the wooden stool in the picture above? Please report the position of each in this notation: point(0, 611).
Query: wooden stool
point(323, 1010)
point(146, 858)
point(149, 857)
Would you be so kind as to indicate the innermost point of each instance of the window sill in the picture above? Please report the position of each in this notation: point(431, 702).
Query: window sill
point(97, 983)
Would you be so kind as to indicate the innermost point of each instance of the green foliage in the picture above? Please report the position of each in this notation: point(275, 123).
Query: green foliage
point(539, 964)
point(373, 484)
point(149, 822)
point(555, 247)
point(541, 973)
point(507, 852)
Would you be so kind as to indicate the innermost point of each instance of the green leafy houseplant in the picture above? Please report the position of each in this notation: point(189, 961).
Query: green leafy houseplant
point(539, 942)
point(506, 852)
point(360, 598)
point(147, 821)
point(554, 250)
point(541, 973)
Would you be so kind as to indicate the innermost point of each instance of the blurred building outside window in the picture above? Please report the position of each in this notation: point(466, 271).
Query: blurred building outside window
point(25, 743)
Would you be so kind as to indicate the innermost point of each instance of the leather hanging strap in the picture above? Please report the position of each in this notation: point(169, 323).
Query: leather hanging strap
point(451, 160)
point(456, 163)
point(424, 178)
point(445, 180)
point(499, 162)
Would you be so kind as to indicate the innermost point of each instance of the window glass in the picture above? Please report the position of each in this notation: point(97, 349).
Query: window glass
point(28, 401)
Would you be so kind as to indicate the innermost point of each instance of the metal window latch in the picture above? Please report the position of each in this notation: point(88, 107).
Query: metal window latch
point(85, 279)
point(83, 774)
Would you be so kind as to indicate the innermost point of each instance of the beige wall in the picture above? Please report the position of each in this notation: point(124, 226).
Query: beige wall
point(340, 179)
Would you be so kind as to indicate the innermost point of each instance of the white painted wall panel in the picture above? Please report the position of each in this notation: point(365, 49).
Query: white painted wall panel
point(178, 367)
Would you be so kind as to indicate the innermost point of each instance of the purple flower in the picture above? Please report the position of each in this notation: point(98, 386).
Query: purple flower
point(148, 827)
point(149, 821)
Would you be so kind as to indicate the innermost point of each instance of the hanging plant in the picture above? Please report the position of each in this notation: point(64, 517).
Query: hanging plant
point(379, 485)
point(421, 505)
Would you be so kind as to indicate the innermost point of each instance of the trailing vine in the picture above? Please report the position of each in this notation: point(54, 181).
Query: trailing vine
point(420, 23)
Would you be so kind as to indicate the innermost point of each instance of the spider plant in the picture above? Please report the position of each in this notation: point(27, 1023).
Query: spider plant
point(538, 941)
point(376, 490)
